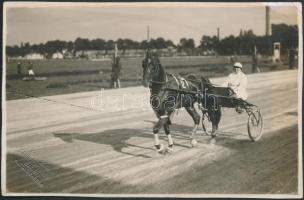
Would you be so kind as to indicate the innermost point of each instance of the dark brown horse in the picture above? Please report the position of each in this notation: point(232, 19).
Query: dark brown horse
point(168, 93)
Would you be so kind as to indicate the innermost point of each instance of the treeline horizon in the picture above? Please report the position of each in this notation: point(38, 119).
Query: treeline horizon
point(244, 43)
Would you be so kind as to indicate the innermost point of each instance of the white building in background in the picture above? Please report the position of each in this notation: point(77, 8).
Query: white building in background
point(34, 56)
point(57, 55)
point(276, 52)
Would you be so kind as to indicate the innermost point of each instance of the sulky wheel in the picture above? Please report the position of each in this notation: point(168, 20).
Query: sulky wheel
point(255, 125)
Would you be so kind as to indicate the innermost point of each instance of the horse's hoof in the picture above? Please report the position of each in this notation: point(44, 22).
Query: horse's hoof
point(213, 133)
point(193, 142)
point(212, 141)
point(160, 149)
point(170, 149)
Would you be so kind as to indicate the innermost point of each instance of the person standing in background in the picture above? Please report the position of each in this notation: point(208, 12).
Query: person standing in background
point(30, 70)
point(19, 68)
point(292, 58)
point(116, 68)
point(255, 60)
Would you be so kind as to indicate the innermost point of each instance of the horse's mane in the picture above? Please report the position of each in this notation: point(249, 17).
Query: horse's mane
point(192, 77)
point(156, 59)
point(205, 80)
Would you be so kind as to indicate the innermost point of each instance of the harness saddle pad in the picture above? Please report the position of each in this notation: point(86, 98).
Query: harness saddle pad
point(177, 82)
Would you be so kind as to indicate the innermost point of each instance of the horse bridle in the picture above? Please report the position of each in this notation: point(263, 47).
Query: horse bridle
point(156, 82)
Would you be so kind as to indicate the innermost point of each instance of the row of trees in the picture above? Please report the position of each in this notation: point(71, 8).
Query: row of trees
point(79, 44)
point(246, 40)
point(241, 44)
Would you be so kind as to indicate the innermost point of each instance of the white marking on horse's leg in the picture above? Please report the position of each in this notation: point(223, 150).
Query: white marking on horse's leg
point(156, 139)
point(159, 147)
point(163, 116)
point(193, 141)
point(194, 130)
point(170, 141)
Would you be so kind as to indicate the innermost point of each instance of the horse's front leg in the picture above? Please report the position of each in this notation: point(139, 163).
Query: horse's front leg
point(162, 119)
point(196, 118)
point(215, 117)
point(167, 131)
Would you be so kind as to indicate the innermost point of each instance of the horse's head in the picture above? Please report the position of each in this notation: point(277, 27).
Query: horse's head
point(151, 68)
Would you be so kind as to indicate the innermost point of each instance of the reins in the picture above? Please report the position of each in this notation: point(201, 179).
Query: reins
point(158, 82)
point(161, 82)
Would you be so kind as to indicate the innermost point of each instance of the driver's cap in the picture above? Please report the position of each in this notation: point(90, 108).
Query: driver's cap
point(238, 65)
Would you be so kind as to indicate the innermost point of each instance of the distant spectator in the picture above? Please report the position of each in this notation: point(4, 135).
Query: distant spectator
point(233, 58)
point(116, 68)
point(255, 60)
point(30, 70)
point(292, 58)
point(19, 68)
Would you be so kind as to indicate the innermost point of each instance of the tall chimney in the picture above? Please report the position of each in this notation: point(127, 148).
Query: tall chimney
point(268, 21)
point(218, 34)
point(148, 33)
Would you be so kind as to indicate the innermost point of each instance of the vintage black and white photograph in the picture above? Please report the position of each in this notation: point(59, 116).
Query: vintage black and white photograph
point(152, 99)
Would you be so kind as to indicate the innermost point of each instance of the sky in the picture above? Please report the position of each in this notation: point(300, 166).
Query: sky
point(38, 23)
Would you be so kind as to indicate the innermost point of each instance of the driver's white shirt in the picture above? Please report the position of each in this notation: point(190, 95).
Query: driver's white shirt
point(238, 83)
point(31, 72)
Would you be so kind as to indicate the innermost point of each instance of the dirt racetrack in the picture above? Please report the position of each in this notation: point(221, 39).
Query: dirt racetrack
point(102, 143)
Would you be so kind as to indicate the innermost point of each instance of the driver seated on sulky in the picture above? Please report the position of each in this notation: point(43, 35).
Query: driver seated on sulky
point(237, 81)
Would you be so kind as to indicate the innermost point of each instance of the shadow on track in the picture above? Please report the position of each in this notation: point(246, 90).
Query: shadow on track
point(117, 138)
point(122, 139)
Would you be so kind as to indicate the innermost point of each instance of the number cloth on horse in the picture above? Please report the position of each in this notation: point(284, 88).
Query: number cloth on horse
point(180, 83)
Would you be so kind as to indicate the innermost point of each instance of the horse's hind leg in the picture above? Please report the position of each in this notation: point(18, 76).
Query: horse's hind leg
point(196, 118)
point(218, 115)
point(168, 123)
point(167, 131)
point(215, 117)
